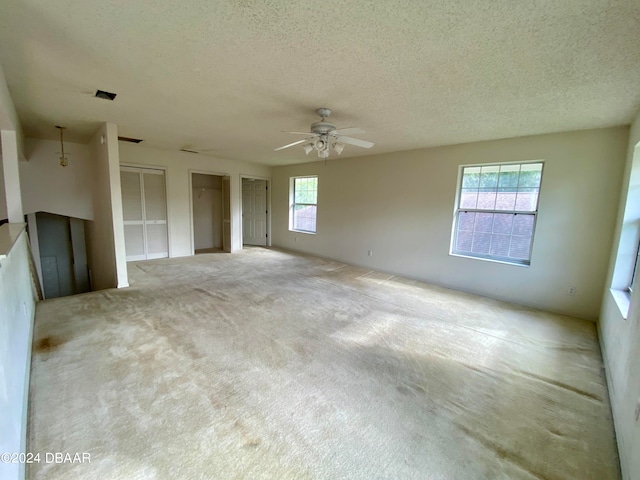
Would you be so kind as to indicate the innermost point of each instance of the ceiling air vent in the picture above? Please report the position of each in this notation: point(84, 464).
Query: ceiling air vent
point(129, 139)
point(105, 95)
point(188, 151)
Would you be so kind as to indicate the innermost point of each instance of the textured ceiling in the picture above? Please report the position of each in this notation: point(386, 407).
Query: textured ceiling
point(229, 76)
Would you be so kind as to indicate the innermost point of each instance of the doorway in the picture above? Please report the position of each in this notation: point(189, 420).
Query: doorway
point(209, 202)
point(63, 255)
point(255, 211)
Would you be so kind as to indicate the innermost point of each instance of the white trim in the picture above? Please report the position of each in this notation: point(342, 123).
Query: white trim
point(492, 260)
point(143, 165)
point(623, 301)
point(511, 162)
point(35, 246)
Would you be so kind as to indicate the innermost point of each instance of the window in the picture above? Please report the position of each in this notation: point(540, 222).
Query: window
point(635, 269)
point(626, 271)
point(496, 213)
point(304, 204)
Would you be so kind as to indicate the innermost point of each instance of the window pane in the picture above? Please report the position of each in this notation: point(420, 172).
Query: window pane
point(489, 178)
point(464, 241)
point(304, 217)
point(523, 225)
point(527, 199)
point(531, 175)
point(471, 177)
point(481, 242)
point(520, 247)
point(502, 223)
point(506, 200)
point(487, 200)
point(500, 245)
point(484, 222)
point(509, 177)
point(466, 221)
point(305, 190)
point(468, 198)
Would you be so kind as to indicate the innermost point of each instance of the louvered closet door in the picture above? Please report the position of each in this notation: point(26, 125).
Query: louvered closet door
point(133, 216)
point(155, 207)
point(145, 213)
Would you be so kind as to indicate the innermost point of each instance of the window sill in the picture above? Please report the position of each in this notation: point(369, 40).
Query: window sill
point(492, 260)
point(623, 300)
point(302, 231)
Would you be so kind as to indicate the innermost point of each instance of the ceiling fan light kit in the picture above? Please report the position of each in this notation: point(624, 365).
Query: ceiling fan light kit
point(324, 136)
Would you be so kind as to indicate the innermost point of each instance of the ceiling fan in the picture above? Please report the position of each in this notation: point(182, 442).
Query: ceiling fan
point(324, 136)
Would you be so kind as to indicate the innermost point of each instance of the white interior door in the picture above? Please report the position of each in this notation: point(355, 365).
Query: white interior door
point(144, 206)
point(254, 212)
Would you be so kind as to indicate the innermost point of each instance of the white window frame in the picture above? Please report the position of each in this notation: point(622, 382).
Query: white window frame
point(293, 204)
point(458, 209)
point(634, 273)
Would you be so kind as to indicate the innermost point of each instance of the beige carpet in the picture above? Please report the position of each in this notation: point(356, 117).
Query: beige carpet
point(270, 365)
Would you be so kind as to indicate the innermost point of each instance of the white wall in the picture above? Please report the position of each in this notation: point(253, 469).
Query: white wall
point(620, 337)
point(401, 207)
point(11, 173)
point(17, 310)
point(48, 187)
point(207, 211)
point(177, 165)
point(107, 261)
point(3, 199)
point(8, 115)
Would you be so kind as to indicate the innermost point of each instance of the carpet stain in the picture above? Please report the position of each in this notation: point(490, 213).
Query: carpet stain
point(251, 443)
point(47, 344)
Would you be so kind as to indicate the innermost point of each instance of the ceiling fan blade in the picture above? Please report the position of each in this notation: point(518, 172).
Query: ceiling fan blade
point(348, 131)
point(292, 144)
point(303, 133)
point(356, 141)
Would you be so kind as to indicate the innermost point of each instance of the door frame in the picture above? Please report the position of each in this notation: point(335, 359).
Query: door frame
point(256, 177)
point(166, 194)
point(191, 233)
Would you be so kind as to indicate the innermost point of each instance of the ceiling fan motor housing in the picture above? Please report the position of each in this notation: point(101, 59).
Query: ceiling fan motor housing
point(322, 127)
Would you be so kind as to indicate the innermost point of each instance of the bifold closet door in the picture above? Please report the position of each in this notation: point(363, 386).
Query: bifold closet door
point(144, 207)
point(155, 208)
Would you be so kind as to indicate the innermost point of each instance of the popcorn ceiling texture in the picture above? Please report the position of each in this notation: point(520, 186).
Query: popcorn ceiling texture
point(230, 76)
point(265, 364)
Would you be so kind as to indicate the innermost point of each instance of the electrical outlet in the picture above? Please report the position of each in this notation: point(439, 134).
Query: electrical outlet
point(295, 239)
point(370, 253)
point(571, 291)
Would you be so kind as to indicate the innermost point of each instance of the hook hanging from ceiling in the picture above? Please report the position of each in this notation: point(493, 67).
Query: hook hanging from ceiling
point(64, 161)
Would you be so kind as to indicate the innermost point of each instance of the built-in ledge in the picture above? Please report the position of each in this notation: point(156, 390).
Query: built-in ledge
point(9, 233)
point(623, 301)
